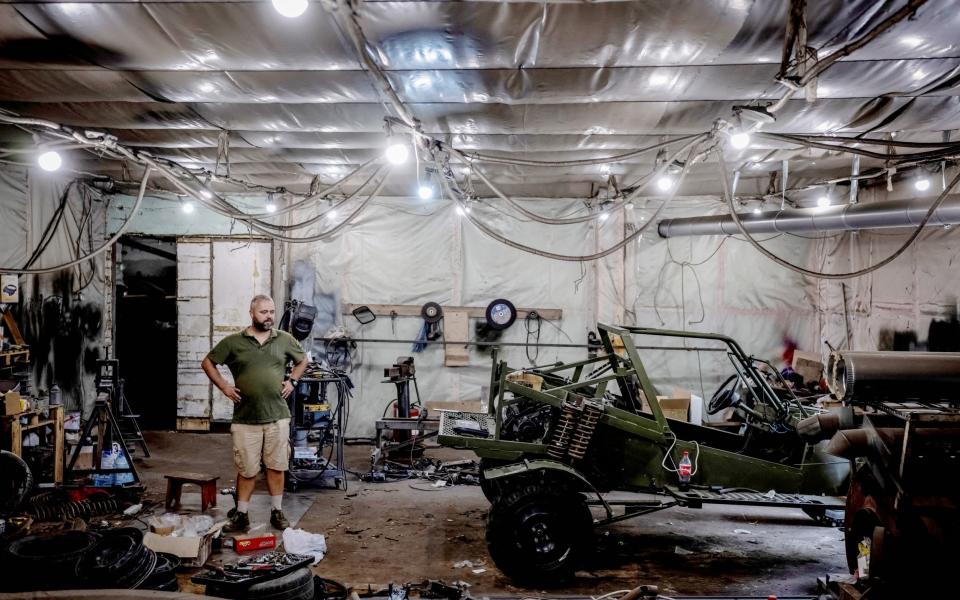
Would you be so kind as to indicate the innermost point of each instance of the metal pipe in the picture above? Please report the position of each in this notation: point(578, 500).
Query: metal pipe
point(518, 344)
point(903, 375)
point(846, 217)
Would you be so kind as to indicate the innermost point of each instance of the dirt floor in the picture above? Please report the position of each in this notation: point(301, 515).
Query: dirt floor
point(405, 531)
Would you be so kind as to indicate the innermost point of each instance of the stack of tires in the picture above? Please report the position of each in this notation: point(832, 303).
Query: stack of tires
point(46, 562)
point(72, 560)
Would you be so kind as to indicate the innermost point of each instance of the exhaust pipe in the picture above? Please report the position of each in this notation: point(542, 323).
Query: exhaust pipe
point(845, 217)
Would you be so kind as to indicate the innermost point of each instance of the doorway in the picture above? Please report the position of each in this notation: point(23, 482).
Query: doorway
point(146, 327)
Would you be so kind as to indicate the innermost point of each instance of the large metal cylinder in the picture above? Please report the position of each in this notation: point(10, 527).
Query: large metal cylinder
point(843, 217)
point(931, 376)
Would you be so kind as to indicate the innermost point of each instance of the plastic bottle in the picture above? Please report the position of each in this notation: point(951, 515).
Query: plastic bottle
point(684, 470)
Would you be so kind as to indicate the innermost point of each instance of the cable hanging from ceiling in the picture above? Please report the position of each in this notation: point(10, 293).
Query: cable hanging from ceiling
point(100, 249)
point(448, 181)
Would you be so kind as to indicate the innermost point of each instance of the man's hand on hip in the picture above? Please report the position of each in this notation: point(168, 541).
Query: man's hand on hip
point(232, 392)
point(286, 389)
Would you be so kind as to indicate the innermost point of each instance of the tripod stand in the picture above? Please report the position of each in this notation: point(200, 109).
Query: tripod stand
point(108, 381)
point(108, 432)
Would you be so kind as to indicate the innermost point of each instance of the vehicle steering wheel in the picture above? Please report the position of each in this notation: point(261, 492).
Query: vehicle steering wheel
point(725, 396)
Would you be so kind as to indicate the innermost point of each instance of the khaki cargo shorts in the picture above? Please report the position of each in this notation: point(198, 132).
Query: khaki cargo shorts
point(266, 442)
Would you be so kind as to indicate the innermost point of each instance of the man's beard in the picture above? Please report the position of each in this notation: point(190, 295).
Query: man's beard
point(265, 326)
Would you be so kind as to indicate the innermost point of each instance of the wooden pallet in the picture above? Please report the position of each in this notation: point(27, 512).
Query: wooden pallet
point(34, 420)
point(10, 357)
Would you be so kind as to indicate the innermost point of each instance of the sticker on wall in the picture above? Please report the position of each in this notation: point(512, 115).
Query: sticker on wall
point(9, 289)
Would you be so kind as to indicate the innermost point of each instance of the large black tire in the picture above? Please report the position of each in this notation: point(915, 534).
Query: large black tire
point(538, 534)
point(46, 562)
point(491, 489)
point(297, 585)
point(16, 483)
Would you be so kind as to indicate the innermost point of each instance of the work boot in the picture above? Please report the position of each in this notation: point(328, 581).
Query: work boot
point(278, 520)
point(239, 521)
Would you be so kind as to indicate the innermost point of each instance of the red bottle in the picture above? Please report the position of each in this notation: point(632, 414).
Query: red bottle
point(685, 470)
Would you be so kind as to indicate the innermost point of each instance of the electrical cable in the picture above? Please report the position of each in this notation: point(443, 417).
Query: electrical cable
point(107, 244)
point(502, 160)
point(573, 258)
point(816, 274)
point(532, 317)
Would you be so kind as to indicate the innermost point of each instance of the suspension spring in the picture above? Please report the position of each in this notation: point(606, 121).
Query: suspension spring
point(585, 428)
point(563, 432)
point(72, 510)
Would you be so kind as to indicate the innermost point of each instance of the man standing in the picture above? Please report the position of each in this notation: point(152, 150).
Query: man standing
point(257, 357)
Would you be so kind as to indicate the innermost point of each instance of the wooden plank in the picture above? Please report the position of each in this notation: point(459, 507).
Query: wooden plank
point(16, 438)
point(58, 436)
point(457, 326)
point(193, 424)
point(474, 312)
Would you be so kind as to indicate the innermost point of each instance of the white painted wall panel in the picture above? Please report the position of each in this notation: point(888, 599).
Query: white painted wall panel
point(241, 270)
point(193, 327)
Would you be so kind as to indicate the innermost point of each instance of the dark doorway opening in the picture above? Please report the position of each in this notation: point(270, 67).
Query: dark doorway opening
point(146, 327)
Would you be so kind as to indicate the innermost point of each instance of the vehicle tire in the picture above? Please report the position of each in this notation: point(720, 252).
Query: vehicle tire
point(16, 483)
point(491, 489)
point(47, 562)
point(297, 585)
point(538, 534)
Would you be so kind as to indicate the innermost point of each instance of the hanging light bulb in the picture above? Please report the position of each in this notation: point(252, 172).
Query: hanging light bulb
point(665, 183)
point(271, 207)
point(740, 140)
point(50, 160)
point(628, 206)
point(757, 210)
point(467, 209)
point(603, 216)
point(332, 214)
point(922, 184)
point(823, 201)
point(397, 153)
point(206, 194)
point(425, 192)
point(460, 210)
point(187, 207)
point(290, 8)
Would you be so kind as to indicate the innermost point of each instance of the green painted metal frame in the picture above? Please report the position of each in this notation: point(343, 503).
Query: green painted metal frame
point(639, 443)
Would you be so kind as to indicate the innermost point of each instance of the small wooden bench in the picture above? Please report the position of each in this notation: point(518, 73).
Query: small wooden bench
point(207, 483)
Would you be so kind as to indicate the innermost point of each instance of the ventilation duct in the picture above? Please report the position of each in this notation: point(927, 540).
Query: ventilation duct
point(846, 217)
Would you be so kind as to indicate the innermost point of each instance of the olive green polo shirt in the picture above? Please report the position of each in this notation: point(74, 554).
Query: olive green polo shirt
point(258, 372)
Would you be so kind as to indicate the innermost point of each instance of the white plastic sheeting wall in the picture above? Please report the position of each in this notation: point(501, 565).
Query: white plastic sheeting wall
point(410, 252)
point(63, 313)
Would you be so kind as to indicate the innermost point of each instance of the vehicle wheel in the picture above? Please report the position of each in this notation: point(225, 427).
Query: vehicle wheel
point(16, 483)
point(491, 489)
point(293, 586)
point(537, 534)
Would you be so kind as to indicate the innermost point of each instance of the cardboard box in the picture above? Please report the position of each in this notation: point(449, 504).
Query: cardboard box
point(250, 544)
point(12, 403)
point(675, 408)
point(193, 551)
point(808, 365)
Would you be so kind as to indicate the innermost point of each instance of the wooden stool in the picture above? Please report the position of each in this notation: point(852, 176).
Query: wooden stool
point(207, 483)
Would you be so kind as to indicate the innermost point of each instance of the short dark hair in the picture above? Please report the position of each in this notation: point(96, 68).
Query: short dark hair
point(259, 298)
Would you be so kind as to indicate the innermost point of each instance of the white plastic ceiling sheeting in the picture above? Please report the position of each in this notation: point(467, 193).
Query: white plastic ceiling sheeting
point(517, 77)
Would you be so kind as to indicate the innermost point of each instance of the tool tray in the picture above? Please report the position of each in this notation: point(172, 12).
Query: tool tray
point(238, 577)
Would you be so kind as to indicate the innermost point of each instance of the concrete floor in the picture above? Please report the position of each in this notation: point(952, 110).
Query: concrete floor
point(406, 531)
